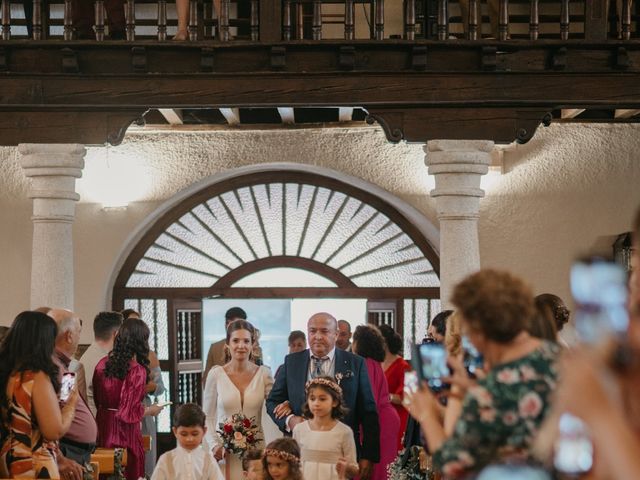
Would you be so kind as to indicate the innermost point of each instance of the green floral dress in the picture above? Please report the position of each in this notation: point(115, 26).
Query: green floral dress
point(501, 415)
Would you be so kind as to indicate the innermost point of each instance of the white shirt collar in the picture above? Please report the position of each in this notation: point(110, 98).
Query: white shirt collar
point(330, 355)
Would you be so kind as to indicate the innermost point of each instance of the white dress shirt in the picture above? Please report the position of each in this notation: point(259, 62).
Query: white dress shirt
point(328, 366)
point(183, 464)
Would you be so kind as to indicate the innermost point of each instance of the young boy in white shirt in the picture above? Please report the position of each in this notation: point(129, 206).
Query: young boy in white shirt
point(189, 460)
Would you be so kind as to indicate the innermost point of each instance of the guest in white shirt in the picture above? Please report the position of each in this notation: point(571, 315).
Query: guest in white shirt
point(189, 460)
point(105, 327)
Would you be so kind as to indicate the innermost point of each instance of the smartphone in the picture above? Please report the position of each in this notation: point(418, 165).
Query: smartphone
point(573, 449)
point(599, 288)
point(473, 359)
point(411, 382)
point(68, 382)
point(511, 472)
point(164, 403)
point(430, 362)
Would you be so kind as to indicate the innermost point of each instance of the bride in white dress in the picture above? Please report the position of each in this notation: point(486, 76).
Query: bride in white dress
point(240, 386)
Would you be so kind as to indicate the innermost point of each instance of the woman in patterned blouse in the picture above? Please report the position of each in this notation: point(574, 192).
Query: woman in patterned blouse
point(502, 412)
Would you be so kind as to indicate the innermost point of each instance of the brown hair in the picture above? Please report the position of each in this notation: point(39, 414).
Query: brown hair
point(552, 306)
point(339, 411)
point(542, 325)
point(189, 415)
point(290, 448)
point(495, 303)
point(250, 456)
point(240, 325)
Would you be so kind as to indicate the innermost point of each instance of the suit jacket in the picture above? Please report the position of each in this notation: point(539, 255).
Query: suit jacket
point(216, 356)
point(292, 377)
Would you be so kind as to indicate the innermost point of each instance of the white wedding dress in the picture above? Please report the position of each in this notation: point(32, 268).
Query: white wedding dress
point(222, 399)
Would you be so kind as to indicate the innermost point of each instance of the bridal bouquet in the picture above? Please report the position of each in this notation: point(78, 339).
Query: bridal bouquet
point(239, 433)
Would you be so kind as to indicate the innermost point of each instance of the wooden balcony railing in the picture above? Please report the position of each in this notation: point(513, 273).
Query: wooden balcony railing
point(286, 20)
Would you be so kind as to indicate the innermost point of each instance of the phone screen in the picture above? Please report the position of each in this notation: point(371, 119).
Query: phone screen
point(599, 288)
point(68, 382)
point(432, 364)
point(410, 382)
point(573, 450)
point(473, 359)
point(511, 472)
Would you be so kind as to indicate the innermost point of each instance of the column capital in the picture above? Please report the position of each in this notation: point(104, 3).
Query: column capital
point(52, 159)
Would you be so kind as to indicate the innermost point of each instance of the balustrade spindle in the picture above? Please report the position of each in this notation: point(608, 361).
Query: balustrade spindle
point(255, 21)
point(299, 21)
point(68, 22)
point(316, 27)
point(99, 6)
point(286, 20)
point(410, 20)
point(193, 20)
point(443, 19)
point(474, 14)
point(379, 20)
point(349, 20)
point(6, 20)
point(626, 19)
point(130, 14)
point(534, 20)
point(503, 20)
point(162, 20)
point(564, 19)
point(224, 21)
point(36, 31)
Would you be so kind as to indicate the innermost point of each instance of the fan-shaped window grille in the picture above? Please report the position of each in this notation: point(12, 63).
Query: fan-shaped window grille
point(283, 219)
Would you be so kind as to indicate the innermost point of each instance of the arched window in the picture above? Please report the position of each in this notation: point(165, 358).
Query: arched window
point(274, 235)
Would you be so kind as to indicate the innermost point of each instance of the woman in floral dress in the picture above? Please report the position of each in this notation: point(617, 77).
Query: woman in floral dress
point(502, 412)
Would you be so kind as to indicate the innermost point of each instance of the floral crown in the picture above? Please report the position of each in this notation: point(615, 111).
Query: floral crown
point(281, 454)
point(325, 382)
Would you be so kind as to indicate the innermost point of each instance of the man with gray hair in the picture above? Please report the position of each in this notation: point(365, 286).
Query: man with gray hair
point(343, 341)
point(79, 442)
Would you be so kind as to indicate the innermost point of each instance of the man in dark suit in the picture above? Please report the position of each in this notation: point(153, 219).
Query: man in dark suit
point(323, 359)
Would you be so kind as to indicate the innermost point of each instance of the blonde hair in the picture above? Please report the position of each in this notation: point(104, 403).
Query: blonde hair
point(453, 335)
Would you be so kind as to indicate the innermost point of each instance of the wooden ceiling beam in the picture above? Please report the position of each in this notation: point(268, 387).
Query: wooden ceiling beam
point(567, 113)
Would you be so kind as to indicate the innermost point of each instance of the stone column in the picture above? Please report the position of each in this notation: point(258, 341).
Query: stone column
point(457, 166)
point(53, 170)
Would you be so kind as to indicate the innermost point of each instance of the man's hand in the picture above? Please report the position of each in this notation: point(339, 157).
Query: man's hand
point(293, 421)
point(69, 470)
point(366, 469)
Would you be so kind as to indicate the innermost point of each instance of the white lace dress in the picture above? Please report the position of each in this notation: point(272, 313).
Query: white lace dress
point(321, 450)
point(222, 399)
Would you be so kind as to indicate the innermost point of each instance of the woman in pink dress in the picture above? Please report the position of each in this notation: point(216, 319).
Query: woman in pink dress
point(119, 384)
point(395, 367)
point(369, 343)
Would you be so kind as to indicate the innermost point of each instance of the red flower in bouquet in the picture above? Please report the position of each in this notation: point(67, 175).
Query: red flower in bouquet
point(239, 433)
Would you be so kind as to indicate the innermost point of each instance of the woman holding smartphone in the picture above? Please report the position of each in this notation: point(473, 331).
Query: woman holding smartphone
point(119, 385)
point(502, 412)
point(31, 416)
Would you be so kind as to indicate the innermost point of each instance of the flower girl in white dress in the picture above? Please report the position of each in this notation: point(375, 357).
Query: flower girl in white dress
point(240, 386)
point(328, 450)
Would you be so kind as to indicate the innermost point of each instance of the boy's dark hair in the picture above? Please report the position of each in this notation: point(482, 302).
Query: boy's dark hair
point(105, 323)
point(234, 313)
point(295, 335)
point(338, 412)
point(189, 415)
point(250, 456)
point(127, 312)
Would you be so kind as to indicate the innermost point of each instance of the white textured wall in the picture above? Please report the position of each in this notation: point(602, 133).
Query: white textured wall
point(559, 195)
